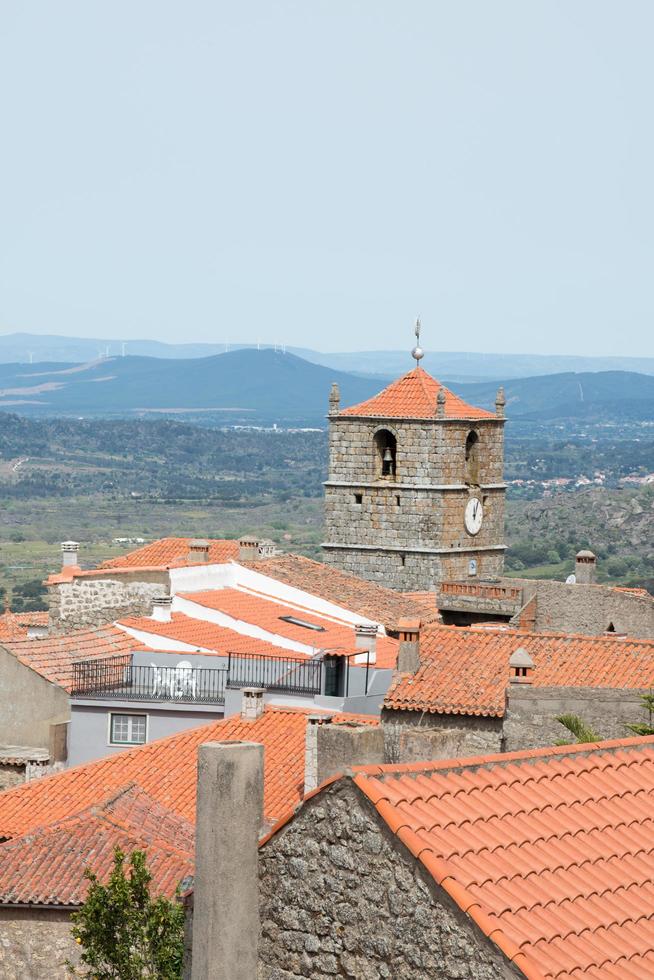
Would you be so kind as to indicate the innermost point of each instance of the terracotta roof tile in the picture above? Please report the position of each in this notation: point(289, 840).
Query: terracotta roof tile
point(53, 656)
point(413, 396)
point(166, 770)
point(267, 615)
point(466, 670)
point(550, 851)
point(199, 633)
point(172, 551)
point(14, 626)
point(46, 866)
point(364, 598)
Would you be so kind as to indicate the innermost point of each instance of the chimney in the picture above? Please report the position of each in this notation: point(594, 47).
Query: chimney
point(408, 655)
point(334, 399)
point(248, 549)
point(521, 666)
point(69, 554)
point(162, 608)
point(226, 890)
point(311, 750)
point(585, 567)
point(36, 631)
point(500, 402)
point(440, 404)
point(198, 551)
point(252, 703)
point(365, 638)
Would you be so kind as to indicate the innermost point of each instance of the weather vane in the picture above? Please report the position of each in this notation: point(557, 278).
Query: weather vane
point(417, 352)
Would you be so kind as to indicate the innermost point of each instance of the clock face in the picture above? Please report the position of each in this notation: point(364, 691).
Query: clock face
point(474, 515)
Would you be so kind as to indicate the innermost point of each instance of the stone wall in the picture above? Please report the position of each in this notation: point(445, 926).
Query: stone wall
point(416, 736)
point(530, 719)
point(94, 601)
point(35, 943)
point(341, 897)
point(588, 609)
point(11, 775)
point(407, 531)
point(30, 705)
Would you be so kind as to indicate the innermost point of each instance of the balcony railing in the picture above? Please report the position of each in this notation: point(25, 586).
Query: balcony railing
point(286, 675)
point(117, 677)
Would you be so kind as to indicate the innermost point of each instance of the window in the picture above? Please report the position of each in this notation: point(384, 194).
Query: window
point(301, 622)
point(472, 459)
point(127, 729)
point(397, 501)
point(358, 498)
point(385, 452)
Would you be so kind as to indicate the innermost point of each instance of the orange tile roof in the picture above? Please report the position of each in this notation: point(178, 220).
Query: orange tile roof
point(550, 852)
point(46, 866)
point(364, 598)
point(266, 614)
point(172, 551)
point(53, 656)
point(166, 770)
point(466, 670)
point(197, 632)
point(13, 626)
point(413, 396)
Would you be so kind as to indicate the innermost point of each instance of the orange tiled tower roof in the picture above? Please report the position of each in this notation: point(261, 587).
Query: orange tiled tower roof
point(414, 396)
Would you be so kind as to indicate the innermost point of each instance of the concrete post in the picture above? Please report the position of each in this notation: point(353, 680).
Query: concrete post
point(226, 894)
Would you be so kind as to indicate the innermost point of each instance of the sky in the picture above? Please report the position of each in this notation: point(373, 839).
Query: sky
point(318, 172)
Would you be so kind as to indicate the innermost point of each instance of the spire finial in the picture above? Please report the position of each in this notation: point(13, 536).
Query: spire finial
point(417, 352)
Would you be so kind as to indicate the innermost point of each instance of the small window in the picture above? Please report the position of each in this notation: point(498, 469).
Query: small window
point(358, 498)
point(397, 500)
point(402, 560)
point(610, 628)
point(127, 729)
point(301, 622)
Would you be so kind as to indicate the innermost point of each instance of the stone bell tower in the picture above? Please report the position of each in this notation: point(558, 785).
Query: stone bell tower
point(415, 492)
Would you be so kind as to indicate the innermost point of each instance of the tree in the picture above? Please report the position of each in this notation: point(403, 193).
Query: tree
point(645, 728)
point(577, 727)
point(125, 934)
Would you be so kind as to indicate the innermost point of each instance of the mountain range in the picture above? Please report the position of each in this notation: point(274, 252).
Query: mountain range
point(21, 348)
point(262, 387)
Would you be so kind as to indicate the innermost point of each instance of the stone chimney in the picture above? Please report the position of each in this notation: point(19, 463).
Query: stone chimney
point(365, 638)
point(162, 608)
point(408, 656)
point(500, 402)
point(440, 404)
point(314, 722)
point(69, 554)
point(334, 399)
point(198, 551)
point(585, 567)
point(229, 819)
point(36, 631)
point(252, 703)
point(521, 666)
point(248, 549)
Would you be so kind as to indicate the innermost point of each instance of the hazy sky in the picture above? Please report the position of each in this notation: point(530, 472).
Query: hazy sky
point(317, 172)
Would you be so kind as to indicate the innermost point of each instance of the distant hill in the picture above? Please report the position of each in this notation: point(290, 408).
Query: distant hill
point(616, 395)
point(449, 366)
point(265, 387)
point(244, 386)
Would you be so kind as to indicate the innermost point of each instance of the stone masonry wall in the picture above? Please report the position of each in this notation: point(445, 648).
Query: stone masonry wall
point(530, 720)
point(416, 736)
point(11, 775)
point(588, 609)
point(90, 601)
point(405, 512)
point(340, 897)
point(35, 943)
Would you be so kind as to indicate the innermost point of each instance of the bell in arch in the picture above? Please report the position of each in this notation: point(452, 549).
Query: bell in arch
point(387, 463)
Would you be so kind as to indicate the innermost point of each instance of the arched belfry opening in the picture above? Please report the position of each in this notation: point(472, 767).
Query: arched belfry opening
point(472, 459)
point(385, 454)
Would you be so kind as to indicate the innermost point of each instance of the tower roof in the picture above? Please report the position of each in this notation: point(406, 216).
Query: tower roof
point(413, 396)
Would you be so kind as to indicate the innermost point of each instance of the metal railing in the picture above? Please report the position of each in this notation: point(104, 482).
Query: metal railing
point(118, 677)
point(287, 675)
